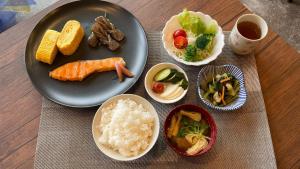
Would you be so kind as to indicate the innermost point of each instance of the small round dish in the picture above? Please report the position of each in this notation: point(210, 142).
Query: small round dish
point(210, 71)
point(173, 24)
point(204, 115)
point(97, 118)
point(149, 82)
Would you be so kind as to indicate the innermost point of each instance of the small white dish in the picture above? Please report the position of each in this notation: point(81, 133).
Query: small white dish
point(149, 82)
point(97, 119)
point(173, 24)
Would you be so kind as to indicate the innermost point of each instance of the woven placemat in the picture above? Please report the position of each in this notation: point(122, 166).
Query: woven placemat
point(243, 140)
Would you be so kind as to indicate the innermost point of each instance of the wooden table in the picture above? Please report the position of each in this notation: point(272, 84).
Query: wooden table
point(278, 67)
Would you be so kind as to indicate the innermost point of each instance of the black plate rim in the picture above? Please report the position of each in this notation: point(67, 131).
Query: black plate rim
point(88, 105)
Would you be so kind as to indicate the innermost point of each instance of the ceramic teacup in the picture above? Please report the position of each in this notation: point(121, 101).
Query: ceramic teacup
point(239, 43)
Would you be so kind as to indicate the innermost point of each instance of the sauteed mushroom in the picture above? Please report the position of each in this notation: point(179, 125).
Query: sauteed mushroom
point(105, 33)
point(92, 40)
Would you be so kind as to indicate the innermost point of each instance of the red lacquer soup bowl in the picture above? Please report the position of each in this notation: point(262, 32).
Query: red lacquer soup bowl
point(212, 133)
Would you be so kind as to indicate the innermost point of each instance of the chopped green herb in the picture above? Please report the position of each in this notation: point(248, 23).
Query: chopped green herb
point(190, 53)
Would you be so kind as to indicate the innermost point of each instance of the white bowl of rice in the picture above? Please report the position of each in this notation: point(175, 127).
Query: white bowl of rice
point(125, 127)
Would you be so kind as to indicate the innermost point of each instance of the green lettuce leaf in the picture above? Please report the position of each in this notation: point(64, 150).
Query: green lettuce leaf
point(212, 27)
point(191, 22)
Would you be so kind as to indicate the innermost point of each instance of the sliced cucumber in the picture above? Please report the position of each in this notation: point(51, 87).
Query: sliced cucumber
point(176, 78)
point(171, 77)
point(164, 74)
point(183, 83)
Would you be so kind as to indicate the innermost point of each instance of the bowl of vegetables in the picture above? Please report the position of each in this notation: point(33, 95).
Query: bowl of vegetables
point(193, 38)
point(166, 83)
point(222, 87)
point(190, 130)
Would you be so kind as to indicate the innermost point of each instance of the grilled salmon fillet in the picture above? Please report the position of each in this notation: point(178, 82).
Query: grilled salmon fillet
point(77, 71)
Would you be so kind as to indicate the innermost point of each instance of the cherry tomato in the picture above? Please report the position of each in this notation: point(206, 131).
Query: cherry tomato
point(158, 87)
point(179, 32)
point(180, 42)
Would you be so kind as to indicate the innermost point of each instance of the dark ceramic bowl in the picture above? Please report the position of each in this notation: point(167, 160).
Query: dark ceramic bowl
point(204, 115)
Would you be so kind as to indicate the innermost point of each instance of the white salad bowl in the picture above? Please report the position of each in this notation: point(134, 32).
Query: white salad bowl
point(97, 119)
point(173, 24)
point(149, 82)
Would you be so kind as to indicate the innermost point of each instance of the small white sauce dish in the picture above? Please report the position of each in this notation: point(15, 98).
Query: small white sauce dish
point(97, 119)
point(149, 80)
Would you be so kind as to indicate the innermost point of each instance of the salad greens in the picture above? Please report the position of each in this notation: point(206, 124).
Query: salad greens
point(190, 53)
point(191, 23)
point(201, 49)
point(203, 41)
point(212, 27)
point(204, 34)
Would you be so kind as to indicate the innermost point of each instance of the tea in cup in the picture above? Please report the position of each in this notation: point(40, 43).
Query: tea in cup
point(248, 30)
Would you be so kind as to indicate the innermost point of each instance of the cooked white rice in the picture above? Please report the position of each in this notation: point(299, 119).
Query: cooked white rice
point(126, 127)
